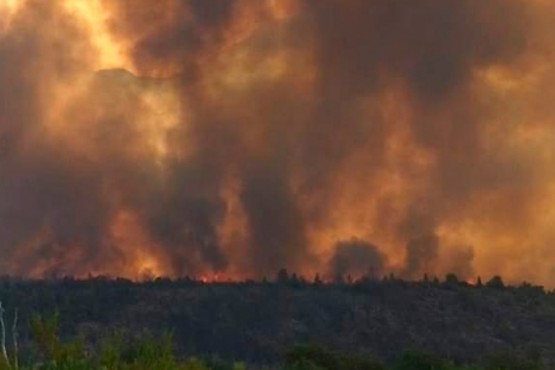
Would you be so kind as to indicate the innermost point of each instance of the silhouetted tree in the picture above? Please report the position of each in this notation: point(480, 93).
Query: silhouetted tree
point(495, 282)
point(451, 279)
point(317, 280)
point(294, 280)
point(283, 276)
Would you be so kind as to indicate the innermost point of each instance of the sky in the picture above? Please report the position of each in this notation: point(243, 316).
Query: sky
point(230, 138)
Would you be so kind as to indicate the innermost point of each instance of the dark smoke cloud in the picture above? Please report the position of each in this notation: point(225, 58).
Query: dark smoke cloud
point(358, 115)
point(170, 36)
point(435, 48)
point(357, 258)
point(421, 255)
point(277, 225)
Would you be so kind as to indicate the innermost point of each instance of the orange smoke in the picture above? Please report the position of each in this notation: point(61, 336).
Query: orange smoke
point(227, 139)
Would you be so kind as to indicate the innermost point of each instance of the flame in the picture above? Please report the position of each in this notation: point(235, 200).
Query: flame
point(210, 279)
point(140, 259)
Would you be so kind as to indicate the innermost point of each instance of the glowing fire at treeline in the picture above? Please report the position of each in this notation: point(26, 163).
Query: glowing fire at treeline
point(231, 138)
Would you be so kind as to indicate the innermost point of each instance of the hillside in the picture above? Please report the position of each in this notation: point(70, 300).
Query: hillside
point(258, 321)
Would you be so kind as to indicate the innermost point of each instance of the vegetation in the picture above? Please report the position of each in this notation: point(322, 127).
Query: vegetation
point(150, 353)
point(360, 324)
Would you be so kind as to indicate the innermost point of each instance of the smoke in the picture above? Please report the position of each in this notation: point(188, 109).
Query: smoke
point(421, 255)
point(357, 258)
point(235, 138)
point(459, 259)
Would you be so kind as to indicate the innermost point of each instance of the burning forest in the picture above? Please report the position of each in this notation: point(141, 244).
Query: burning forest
point(231, 138)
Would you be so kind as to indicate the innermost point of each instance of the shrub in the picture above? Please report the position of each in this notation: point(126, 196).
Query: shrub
point(315, 358)
point(411, 360)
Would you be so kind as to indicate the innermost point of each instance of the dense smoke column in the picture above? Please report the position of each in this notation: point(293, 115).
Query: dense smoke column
point(421, 254)
point(356, 258)
point(275, 220)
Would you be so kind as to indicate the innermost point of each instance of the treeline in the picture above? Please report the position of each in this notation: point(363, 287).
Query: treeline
point(282, 277)
point(117, 352)
point(451, 279)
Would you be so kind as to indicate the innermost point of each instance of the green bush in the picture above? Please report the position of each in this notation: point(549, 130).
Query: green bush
point(315, 358)
point(411, 360)
point(56, 355)
point(149, 353)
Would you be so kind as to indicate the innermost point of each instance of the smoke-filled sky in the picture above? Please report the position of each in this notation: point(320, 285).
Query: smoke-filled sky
point(231, 138)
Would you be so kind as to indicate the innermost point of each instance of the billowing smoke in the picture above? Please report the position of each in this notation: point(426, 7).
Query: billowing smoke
point(357, 258)
point(233, 138)
point(422, 253)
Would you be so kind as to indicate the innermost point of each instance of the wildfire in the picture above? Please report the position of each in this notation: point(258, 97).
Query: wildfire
point(226, 140)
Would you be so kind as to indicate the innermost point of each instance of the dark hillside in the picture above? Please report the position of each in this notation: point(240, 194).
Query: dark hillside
point(258, 321)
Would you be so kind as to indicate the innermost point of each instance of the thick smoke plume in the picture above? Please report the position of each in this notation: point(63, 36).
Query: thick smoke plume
point(422, 253)
point(356, 258)
point(231, 138)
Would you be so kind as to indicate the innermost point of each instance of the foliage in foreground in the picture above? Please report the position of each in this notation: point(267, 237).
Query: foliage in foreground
point(150, 353)
point(115, 353)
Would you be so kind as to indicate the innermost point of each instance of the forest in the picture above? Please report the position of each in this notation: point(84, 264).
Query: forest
point(285, 323)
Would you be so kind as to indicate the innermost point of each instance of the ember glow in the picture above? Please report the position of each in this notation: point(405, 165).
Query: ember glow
point(226, 139)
